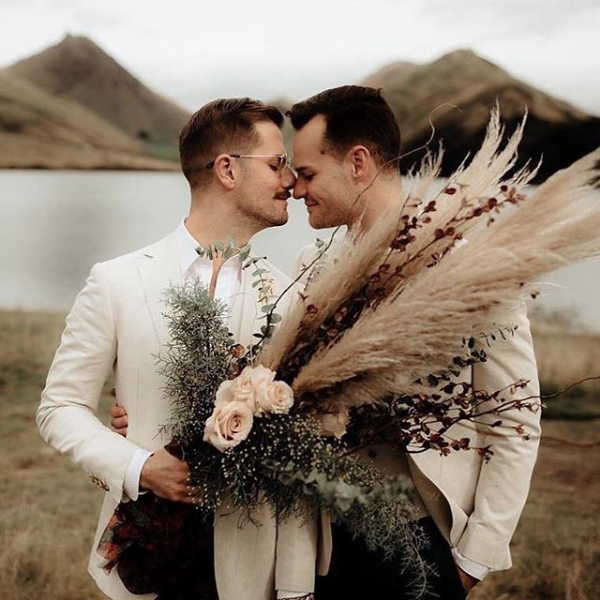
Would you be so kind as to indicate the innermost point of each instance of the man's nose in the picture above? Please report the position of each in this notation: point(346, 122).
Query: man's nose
point(288, 179)
point(299, 191)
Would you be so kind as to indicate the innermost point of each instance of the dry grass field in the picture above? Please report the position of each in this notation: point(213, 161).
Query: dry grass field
point(48, 507)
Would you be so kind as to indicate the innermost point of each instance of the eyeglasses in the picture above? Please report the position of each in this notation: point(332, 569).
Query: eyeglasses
point(283, 160)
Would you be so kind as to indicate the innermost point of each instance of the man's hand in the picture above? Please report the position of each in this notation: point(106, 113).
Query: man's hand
point(167, 477)
point(119, 420)
point(468, 581)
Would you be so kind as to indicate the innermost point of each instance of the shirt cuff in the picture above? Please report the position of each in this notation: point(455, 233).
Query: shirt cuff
point(131, 484)
point(472, 568)
point(282, 594)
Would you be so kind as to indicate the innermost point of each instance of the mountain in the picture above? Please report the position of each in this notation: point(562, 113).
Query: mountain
point(555, 129)
point(78, 70)
point(395, 71)
point(39, 130)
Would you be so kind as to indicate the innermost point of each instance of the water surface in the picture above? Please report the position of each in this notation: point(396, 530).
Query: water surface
point(54, 225)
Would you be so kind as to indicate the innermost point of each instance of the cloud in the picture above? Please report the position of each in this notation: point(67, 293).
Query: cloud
point(193, 51)
point(494, 18)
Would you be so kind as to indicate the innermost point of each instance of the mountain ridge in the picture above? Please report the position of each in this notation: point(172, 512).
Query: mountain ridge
point(40, 130)
point(459, 89)
point(74, 99)
point(78, 69)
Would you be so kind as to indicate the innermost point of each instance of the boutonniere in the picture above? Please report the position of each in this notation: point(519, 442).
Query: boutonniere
point(267, 298)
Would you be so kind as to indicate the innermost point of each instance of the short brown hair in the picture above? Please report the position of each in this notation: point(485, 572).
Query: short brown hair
point(354, 115)
point(225, 125)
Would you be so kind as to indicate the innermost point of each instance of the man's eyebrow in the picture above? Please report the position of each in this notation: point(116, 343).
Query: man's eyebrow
point(301, 169)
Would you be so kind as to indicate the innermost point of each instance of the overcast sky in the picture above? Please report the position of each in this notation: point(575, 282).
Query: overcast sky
point(193, 50)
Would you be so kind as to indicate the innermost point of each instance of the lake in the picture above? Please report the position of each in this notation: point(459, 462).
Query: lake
point(54, 225)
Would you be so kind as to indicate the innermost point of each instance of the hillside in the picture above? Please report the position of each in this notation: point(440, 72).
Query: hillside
point(77, 69)
point(555, 129)
point(396, 72)
point(39, 130)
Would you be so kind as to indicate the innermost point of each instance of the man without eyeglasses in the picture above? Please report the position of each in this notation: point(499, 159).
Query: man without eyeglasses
point(346, 146)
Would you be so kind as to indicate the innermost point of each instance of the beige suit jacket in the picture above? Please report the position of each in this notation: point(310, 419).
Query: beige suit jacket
point(476, 505)
point(117, 324)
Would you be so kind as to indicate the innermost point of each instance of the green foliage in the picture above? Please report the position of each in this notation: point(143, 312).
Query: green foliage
point(197, 359)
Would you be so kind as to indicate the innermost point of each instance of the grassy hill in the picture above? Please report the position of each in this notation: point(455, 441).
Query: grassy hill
point(396, 71)
point(556, 129)
point(77, 69)
point(40, 130)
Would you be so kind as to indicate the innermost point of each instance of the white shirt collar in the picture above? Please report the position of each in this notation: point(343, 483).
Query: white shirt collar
point(187, 245)
point(188, 256)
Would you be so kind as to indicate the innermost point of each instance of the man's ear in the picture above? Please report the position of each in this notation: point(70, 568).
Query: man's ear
point(361, 162)
point(226, 171)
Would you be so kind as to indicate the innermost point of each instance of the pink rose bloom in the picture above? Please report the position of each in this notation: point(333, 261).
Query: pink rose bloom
point(259, 375)
point(274, 397)
point(229, 425)
point(242, 389)
point(246, 384)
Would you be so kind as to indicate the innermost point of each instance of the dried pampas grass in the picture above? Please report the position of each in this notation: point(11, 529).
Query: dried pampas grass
point(418, 322)
point(334, 284)
point(349, 265)
point(419, 329)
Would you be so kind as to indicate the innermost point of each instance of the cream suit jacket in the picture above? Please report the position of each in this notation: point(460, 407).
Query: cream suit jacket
point(117, 324)
point(476, 505)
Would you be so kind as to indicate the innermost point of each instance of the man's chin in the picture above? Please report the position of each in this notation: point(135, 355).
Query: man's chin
point(279, 220)
point(316, 223)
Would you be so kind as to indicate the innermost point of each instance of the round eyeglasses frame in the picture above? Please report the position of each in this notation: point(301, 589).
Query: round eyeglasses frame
point(283, 162)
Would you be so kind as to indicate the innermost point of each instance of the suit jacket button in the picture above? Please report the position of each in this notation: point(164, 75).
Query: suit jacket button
point(372, 454)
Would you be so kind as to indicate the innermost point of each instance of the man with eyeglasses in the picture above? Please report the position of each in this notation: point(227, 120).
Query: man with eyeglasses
point(232, 155)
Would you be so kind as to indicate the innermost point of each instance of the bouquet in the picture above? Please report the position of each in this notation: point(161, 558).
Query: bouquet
point(369, 352)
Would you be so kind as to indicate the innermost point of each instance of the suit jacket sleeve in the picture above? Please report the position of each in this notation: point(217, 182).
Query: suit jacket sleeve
point(66, 416)
point(504, 481)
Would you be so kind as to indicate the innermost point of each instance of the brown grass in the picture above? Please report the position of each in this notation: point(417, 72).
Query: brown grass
point(563, 359)
point(48, 508)
point(40, 130)
point(557, 545)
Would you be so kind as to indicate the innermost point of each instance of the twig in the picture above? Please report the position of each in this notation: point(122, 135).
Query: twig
point(569, 387)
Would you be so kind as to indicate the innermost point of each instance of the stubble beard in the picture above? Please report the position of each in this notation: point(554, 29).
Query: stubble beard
point(263, 218)
point(326, 221)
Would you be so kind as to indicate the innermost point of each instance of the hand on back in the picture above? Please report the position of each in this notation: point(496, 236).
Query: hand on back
point(119, 419)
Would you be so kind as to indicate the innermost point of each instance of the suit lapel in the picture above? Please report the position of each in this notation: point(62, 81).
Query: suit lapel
point(245, 310)
point(251, 303)
point(159, 268)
